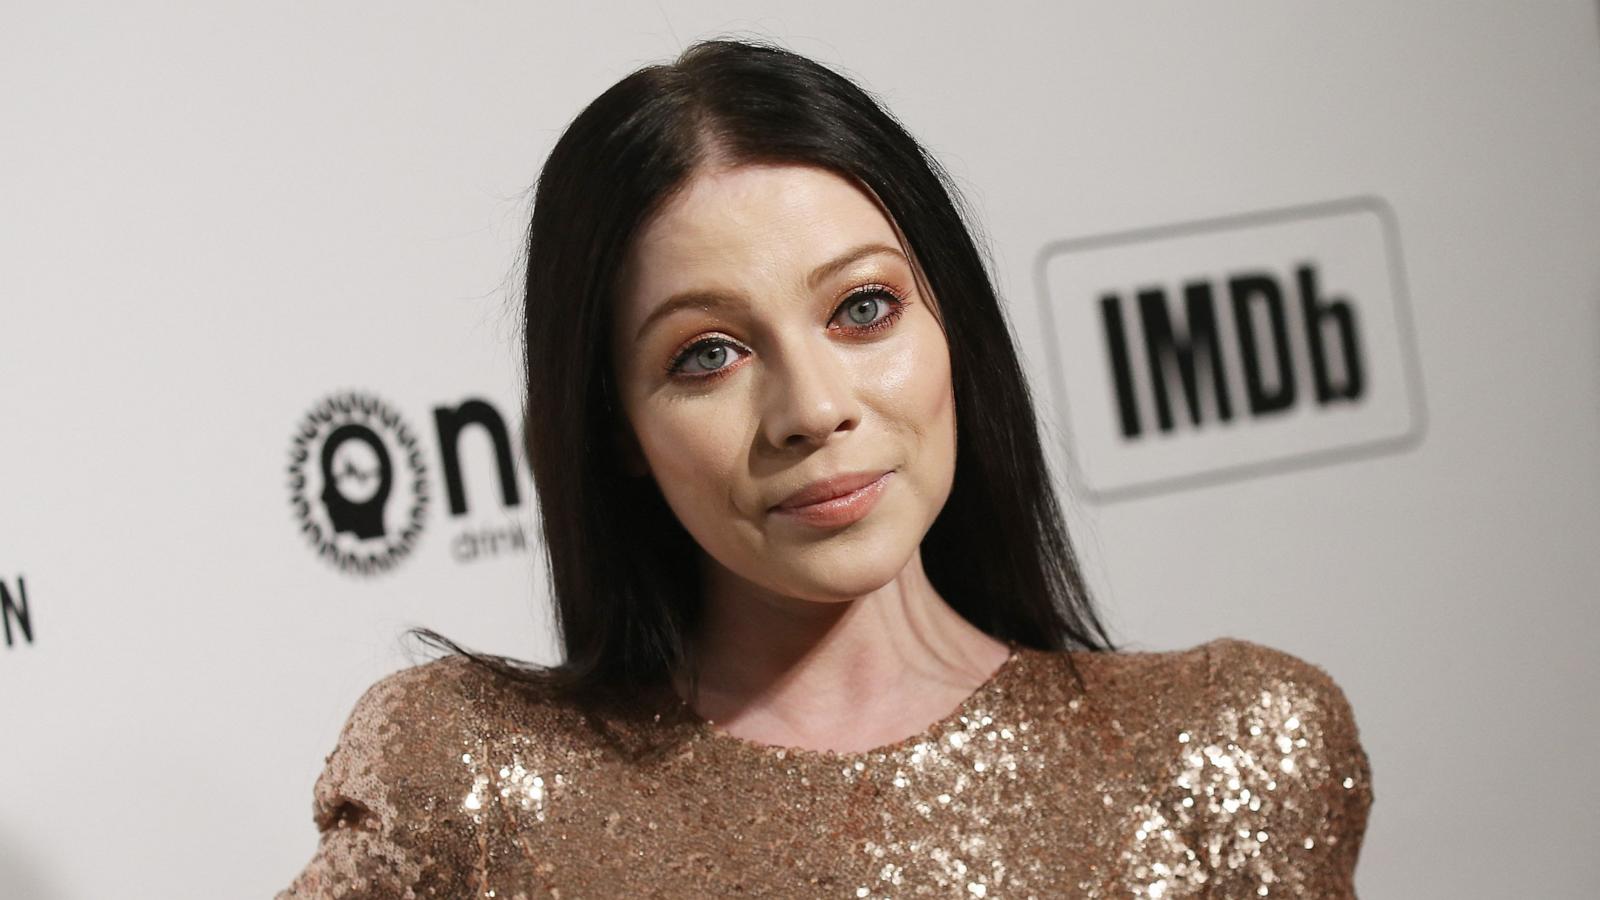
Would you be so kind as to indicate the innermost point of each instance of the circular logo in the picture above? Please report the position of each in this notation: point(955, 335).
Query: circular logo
point(357, 483)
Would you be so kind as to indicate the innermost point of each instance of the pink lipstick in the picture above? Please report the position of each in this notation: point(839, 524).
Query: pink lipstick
point(837, 501)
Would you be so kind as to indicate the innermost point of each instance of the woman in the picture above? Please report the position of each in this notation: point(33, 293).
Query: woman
point(824, 634)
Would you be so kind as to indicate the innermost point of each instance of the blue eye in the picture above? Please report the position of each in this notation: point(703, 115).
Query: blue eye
point(709, 355)
point(872, 308)
point(866, 310)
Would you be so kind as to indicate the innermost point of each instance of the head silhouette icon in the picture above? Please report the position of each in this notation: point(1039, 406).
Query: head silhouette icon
point(356, 477)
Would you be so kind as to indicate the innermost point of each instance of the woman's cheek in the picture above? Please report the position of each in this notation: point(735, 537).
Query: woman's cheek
point(672, 446)
point(896, 369)
point(912, 377)
point(916, 397)
point(690, 448)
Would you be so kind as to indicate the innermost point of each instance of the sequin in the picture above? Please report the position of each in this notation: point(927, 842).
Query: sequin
point(1226, 770)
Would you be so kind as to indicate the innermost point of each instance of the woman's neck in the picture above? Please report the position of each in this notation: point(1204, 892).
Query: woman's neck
point(842, 674)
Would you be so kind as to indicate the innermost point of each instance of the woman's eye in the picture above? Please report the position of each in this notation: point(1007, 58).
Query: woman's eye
point(705, 357)
point(869, 307)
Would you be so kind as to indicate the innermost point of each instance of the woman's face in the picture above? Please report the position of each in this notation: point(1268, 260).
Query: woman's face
point(771, 335)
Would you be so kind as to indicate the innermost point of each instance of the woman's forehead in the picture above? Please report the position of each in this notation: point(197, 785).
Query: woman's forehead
point(756, 219)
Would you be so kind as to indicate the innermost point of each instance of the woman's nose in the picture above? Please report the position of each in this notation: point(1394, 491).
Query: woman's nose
point(809, 395)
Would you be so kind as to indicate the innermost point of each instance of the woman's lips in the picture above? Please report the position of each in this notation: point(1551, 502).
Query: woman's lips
point(839, 510)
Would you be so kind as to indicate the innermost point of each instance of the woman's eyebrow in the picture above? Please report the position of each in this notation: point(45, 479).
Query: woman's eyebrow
point(859, 252)
point(712, 299)
point(693, 299)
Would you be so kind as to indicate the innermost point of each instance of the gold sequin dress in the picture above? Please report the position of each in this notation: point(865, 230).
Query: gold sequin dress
point(1229, 770)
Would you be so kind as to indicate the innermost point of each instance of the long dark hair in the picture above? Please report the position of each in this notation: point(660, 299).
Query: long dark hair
point(622, 569)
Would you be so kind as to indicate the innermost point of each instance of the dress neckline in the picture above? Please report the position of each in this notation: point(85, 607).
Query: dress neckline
point(707, 731)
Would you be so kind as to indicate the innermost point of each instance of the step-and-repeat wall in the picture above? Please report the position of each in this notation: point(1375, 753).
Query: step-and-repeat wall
point(1309, 293)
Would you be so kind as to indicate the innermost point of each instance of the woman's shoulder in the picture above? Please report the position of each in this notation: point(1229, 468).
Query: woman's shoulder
point(394, 800)
point(422, 690)
point(1246, 665)
point(1253, 760)
point(1288, 715)
point(441, 691)
point(1221, 676)
point(1253, 692)
point(423, 701)
point(440, 708)
point(420, 726)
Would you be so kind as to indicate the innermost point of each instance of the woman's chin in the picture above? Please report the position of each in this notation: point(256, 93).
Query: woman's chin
point(824, 565)
point(844, 572)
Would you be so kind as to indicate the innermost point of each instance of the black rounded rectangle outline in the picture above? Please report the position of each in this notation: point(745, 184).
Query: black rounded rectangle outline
point(1416, 398)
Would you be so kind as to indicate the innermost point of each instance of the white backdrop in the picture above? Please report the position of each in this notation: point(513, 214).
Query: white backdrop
point(217, 216)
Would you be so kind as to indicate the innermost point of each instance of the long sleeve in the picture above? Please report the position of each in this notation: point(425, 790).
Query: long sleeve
point(1287, 784)
point(390, 826)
